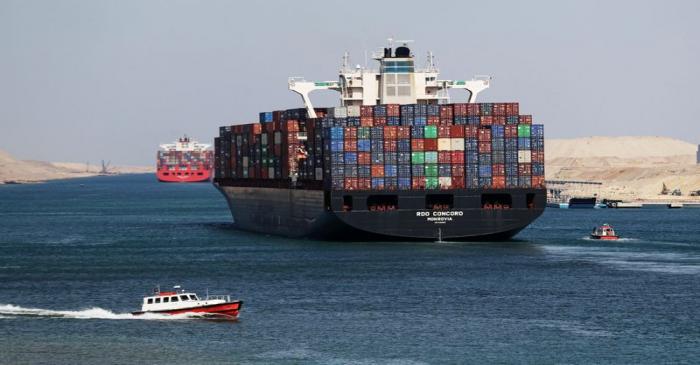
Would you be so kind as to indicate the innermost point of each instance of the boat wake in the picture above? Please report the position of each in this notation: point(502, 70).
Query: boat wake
point(621, 239)
point(13, 311)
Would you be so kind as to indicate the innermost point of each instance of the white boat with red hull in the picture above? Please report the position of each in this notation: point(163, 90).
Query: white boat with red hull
point(182, 302)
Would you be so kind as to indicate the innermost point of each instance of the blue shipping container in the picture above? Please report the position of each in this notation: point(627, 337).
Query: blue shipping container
point(484, 171)
point(364, 145)
point(524, 143)
point(390, 171)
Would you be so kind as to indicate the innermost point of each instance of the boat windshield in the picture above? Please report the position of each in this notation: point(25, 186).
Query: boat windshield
point(193, 297)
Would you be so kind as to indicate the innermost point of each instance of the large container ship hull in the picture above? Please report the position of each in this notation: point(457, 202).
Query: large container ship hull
point(323, 214)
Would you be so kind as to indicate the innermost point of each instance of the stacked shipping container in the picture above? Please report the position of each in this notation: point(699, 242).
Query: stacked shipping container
point(389, 147)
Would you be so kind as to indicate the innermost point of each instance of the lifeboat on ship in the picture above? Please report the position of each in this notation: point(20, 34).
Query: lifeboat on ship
point(180, 301)
point(604, 232)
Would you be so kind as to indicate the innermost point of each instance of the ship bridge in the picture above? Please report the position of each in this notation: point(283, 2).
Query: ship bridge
point(397, 81)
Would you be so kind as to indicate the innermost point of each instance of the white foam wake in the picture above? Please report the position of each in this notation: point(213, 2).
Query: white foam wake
point(13, 311)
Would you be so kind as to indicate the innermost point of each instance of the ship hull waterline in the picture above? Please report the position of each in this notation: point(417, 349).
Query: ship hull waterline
point(319, 214)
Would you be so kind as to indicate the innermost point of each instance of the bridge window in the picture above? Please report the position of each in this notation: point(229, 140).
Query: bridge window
point(183, 297)
point(174, 299)
point(439, 201)
point(157, 300)
point(382, 203)
point(166, 299)
point(193, 297)
point(150, 300)
point(496, 201)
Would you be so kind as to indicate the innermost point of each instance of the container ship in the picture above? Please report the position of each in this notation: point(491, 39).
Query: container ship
point(185, 160)
point(395, 161)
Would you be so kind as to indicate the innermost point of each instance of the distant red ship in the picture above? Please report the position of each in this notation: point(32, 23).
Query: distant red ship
point(185, 160)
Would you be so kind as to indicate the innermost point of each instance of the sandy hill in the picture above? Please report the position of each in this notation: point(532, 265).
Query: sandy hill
point(21, 171)
point(628, 167)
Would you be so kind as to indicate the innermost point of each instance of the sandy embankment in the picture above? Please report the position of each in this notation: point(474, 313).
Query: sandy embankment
point(630, 168)
point(21, 171)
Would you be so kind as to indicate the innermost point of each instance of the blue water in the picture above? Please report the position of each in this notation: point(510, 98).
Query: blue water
point(76, 256)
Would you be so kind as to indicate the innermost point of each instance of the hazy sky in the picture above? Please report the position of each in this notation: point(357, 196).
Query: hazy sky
point(90, 80)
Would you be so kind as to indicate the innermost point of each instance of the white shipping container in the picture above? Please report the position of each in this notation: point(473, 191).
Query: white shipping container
point(340, 112)
point(270, 172)
point(524, 157)
point(353, 110)
point(457, 144)
point(445, 182)
point(245, 161)
point(444, 144)
point(319, 173)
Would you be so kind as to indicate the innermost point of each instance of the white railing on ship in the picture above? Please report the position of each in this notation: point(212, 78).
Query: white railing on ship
point(219, 297)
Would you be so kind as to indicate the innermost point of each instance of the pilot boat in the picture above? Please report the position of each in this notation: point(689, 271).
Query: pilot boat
point(604, 232)
point(180, 301)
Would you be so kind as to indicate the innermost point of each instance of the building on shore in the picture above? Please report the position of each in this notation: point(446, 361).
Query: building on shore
point(697, 158)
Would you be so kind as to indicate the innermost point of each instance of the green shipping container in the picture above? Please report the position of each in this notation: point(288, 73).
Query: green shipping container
point(417, 157)
point(431, 170)
point(430, 131)
point(431, 157)
point(363, 132)
point(523, 130)
point(431, 182)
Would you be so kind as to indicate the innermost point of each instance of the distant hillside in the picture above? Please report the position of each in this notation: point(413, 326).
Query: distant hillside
point(629, 167)
point(13, 170)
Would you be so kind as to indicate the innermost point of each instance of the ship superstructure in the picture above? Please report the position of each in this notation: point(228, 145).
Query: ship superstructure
point(396, 160)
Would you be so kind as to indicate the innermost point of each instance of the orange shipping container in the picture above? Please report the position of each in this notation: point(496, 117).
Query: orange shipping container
point(377, 170)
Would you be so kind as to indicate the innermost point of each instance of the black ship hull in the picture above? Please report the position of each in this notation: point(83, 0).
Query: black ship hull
point(462, 215)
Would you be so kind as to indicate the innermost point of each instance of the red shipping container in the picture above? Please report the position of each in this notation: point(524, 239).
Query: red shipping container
point(390, 132)
point(290, 126)
point(499, 120)
point(393, 110)
point(390, 145)
point(446, 111)
point(444, 131)
point(444, 157)
point(498, 169)
point(485, 134)
point(349, 133)
point(377, 170)
point(403, 132)
point(512, 109)
point(364, 184)
point(460, 110)
point(277, 115)
point(264, 174)
point(430, 144)
point(366, 111)
point(511, 131)
point(471, 131)
point(418, 183)
point(251, 173)
point(524, 169)
point(457, 131)
point(484, 147)
point(350, 183)
point(538, 182)
point(473, 109)
point(379, 121)
point(445, 121)
point(364, 158)
point(433, 120)
point(457, 157)
point(458, 182)
point(417, 144)
point(499, 109)
point(525, 119)
point(537, 156)
point(498, 182)
point(457, 170)
point(486, 120)
point(350, 145)
point(366, 121)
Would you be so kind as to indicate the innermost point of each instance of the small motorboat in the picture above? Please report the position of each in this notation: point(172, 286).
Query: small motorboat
point(179, 301)
point(604, 232)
